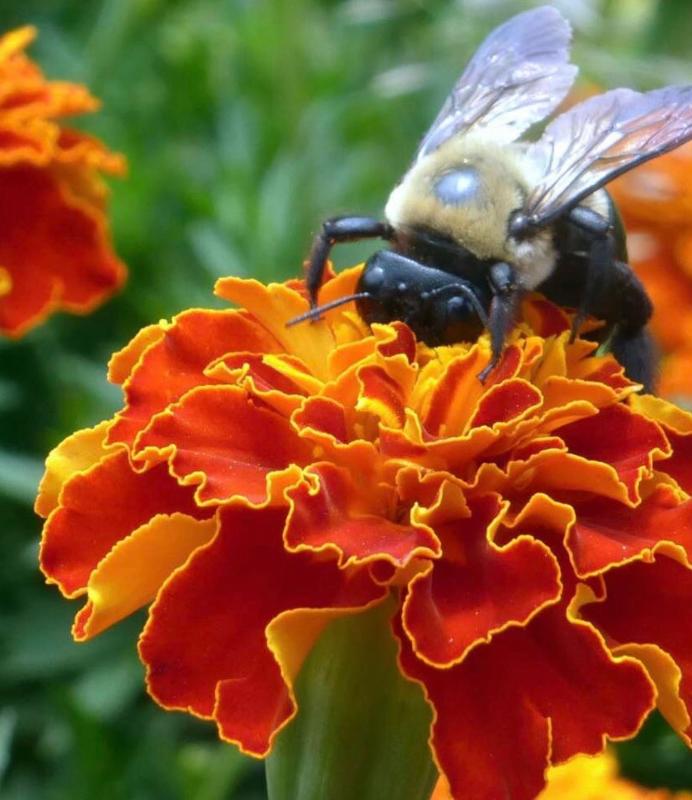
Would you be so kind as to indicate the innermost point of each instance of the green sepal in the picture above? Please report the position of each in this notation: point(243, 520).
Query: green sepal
point(362, 729)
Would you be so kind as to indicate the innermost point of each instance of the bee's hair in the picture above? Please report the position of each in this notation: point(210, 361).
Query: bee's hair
point(481, 226)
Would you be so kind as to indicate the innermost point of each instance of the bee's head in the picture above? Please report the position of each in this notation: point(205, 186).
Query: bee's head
point(438, 306)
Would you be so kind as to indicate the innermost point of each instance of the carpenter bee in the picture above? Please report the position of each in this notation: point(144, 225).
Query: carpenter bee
point(480, 218)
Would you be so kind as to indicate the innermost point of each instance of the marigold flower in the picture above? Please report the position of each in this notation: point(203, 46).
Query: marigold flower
point(656, 205)
point(589, 778)
point(55, 250)
point(261, 480)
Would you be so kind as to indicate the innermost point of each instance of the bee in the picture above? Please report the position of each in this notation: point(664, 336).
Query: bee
point(481, 218)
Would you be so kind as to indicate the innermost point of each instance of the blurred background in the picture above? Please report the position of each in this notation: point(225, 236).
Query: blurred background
point(245, 123)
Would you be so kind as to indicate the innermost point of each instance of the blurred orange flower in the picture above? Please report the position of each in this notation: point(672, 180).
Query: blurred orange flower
point(263, 480)
point(656, 204)
point(55, 250)
point(589, 778)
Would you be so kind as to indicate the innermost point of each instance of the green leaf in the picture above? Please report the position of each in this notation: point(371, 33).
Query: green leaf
point(362, 728)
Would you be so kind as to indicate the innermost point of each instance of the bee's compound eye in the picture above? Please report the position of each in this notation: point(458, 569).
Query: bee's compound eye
point(459, 187)
point(372, 279)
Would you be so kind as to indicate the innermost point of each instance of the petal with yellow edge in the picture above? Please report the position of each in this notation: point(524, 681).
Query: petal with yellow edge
point(74, 454)
point(478, 588)
point(132, 573)
point(340, 515)
point(606, 534)
point(616, 436)
point(649, 603)
point(220, 441)
point(98, 508)
point(534, 696)
point(175, 362)
point(205, 646)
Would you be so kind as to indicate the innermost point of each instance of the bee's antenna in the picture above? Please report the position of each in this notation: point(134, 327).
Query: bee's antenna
point(314, 313)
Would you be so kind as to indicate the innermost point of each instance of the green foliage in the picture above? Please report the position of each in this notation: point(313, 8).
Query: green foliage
point(245, 123)
point(355, 709)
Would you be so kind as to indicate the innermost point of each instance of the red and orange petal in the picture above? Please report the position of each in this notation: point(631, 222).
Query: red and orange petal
point(206, 648)
point(478, 589)
point(645, 607)
point(537, 695)
point(164, 361)
point(55, 248)
point(352, 520)
point(218, 439)
point(262, 479)
point(143, 560)
point(98, 508)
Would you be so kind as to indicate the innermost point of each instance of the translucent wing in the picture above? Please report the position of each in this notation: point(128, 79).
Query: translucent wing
point(515, 79)
point(602, 137)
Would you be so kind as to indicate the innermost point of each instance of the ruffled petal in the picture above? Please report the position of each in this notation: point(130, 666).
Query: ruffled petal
point(123, 361)
point(606, 533)
point(326, 424)
point(455, 396)
point(628, 442)
point(478, 588)
point(142, 561)
point(98, 508)
point(176, 360)
point(506, 402)
point(204, 644)
point(275, 305)
point(337, 514)
point(534, 696)
point(75, 454)
point(648, 604)
point(219, 440)
point(55, 253)
point(677, 424)
point(381, 396)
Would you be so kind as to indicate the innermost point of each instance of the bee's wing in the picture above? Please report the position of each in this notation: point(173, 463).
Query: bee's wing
point(597, 140)
point(515, 79)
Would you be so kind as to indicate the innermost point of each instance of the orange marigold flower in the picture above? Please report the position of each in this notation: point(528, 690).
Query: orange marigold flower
point(55, 250)
point(656, 205)
point(261, 480)
point(588, 778)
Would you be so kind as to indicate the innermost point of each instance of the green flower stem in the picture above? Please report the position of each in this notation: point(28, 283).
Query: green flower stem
point(362, 728)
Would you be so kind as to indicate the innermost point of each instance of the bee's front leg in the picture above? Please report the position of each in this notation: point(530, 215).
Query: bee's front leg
point(600, 261)
point(503, 311)
point(335, 230)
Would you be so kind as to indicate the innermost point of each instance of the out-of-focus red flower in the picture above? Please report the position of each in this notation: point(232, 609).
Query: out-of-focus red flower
point(261, 480)
point(55, 249)
point(656, 204)
point(588, 778)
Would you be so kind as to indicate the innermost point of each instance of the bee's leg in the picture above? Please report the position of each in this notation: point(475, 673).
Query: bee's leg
point(335, 230)
point(601, 258)
point(615, 294)
point(638, 355)
point(503, 311)
point(628, 308)
point(462, 290)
